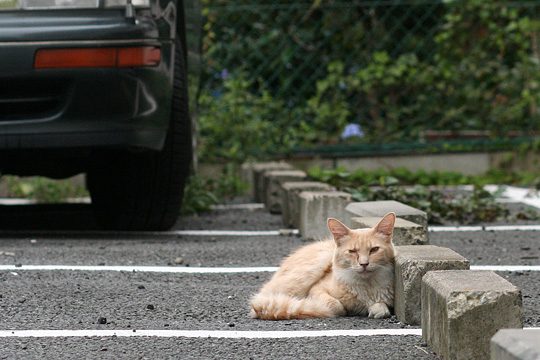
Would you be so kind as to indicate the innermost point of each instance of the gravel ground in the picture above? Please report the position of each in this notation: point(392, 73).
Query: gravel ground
point(480, 247)
point(180, 301)
point(161, 251)
point(77, 300)
point(529, 283)
point(79, 217)
point(232, 220)
point(492, 247)
point(374, 348)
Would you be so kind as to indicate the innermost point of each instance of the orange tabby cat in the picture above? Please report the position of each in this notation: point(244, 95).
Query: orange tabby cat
point(353, 274)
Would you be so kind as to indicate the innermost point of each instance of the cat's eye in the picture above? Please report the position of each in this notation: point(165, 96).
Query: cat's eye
point(352, 251)
point(374, 250)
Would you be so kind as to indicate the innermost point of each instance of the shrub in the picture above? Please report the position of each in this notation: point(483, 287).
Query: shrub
point(287, 74)
point(43, 190)
point(237, 123)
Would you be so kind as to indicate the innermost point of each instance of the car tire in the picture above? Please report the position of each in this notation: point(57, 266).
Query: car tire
point(144, 190)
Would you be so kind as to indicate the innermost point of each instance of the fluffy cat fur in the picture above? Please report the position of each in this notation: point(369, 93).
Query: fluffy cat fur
point(351, 274)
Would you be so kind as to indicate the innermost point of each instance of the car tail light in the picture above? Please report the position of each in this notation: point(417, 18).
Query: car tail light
point(138, 56)
point(97, 57)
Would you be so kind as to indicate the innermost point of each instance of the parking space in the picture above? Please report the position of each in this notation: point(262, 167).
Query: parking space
point(378, 348)
point(194, 309)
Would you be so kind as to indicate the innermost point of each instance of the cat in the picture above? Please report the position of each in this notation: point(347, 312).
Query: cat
point(351, 274)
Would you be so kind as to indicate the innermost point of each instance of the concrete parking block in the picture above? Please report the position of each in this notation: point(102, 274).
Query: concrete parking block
point(405, 232)
point(516, 344)
point(258, 176)
point(463, 309)
point(272, 180)
point(316, 207)
point(381, 208)
point(290, 200)
point(411, 264)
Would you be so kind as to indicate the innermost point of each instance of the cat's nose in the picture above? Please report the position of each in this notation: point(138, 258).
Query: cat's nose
point(365, 265)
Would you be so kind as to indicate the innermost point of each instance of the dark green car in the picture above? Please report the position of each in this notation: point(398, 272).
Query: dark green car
point(100, 87)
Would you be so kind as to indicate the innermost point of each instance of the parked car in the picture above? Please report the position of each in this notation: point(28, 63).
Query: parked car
point(99, 87)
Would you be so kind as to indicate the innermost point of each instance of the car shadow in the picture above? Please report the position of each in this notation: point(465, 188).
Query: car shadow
point(54, 217)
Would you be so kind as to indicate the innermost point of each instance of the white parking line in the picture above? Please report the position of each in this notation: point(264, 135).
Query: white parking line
point(235, 232)
point(49, 233)
point(208, 333)
point(484, 228)
point(210, 270)
point(220, 334)
point(510, 268)
point(154, 269)
point(513, 228)
point(454, 228)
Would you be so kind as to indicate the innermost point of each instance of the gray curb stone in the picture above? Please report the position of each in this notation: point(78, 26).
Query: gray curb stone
point(272, 186)
point(258, 172)
point(381, 208)
point(463, 309)
point(516, 344)
point(411, 264)
point(405, 232)
point(290, 200)
point(316, 207)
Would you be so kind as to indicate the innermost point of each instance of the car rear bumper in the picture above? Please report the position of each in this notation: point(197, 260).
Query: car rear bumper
point(87, 107)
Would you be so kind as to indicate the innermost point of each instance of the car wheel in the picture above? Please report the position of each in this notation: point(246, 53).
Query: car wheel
point(144, 190)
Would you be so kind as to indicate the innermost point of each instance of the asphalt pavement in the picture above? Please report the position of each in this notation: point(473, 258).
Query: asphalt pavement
point(68, 300)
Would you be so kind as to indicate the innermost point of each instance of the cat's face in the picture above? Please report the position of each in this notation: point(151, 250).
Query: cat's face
point(363, 250)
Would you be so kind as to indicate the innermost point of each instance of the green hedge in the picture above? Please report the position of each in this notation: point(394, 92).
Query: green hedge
point(279, 76)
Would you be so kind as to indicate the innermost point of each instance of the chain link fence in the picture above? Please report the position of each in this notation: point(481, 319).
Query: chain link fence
point(289, 74)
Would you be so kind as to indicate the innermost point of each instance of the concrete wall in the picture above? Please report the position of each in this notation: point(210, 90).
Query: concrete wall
point(469, 163)
point(466, 163)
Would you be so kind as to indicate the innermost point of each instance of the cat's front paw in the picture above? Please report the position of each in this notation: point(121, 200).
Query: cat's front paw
point(378, 311)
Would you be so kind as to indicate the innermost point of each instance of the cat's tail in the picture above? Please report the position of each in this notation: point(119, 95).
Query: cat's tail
point(285, 307)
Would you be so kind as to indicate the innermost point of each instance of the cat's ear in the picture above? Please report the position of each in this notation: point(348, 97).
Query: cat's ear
point(337, 228)
point(386, 225)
